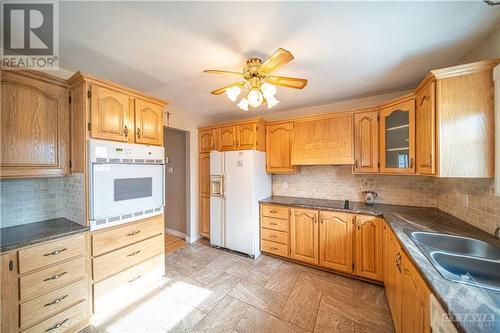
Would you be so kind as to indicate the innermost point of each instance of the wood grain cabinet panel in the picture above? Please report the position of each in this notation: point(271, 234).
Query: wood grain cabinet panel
point(34, 125)
point(397, 138)
point(148, 122)
point(368, 247)
point(335, 243)
point(425, 131)
point(227, 138)
point(9, 293)
point(110, 114)
point(204, 184)
point(323, 141)
point(207, 140)
point(304, 235)
point(392, 275)
point(366, 142)
point(246, 136)
point(205, 216)
point(204, 167)
point(279, 148)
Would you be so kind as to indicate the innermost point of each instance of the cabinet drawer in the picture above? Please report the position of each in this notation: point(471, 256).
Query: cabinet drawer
point(116, 261)
point(275, 224)
point(123, 288)
point(51, 253)
point(275, 236)
point(53, 302)
point(35, 284)
point(109, 240)
point(275, 248)
point(64, 321)
point(278, 212)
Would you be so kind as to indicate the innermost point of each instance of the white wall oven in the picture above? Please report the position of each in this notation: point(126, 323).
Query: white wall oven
point(127, 182)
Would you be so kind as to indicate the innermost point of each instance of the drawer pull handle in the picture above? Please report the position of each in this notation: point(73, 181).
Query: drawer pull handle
point(274, 248)
point(56, 301)
point(133, 253)
point(273, 223)
point(273, 236)
point(54, 253)
point(56, 326)
point(133, 233)
point(55, 277)
point(273, 212)
point(137, 277)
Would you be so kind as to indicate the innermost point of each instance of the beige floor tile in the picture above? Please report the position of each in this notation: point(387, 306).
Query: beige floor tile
point(257, 321)
point(283, 279)
point(302, 306)
point(371, 294)
point(255, 272)
point(330, 323)
point(216, 291)
point(332, 282)
point(223, 317)
point(264, 299)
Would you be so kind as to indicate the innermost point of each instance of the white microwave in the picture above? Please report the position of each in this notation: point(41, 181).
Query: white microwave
point(126, 182)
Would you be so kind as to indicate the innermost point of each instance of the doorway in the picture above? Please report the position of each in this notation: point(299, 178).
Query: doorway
point(176, 144)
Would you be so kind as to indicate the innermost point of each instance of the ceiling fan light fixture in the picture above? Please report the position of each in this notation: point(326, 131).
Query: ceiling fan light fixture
point(243, 104)
point(255, 98)
point(233, 92)
point(271, 102)
point(268, 90)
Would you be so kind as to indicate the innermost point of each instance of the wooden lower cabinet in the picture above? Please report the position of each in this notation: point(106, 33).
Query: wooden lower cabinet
point(205, 216)
point(304, 235)
point(368, 247)
point(392, 275)
point(274, 231)
point(9, 291)
point(335, 243)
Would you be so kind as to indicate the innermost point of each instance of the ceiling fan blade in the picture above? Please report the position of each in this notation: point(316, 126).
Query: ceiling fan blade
point(279, 58)
point(216, 71)
point(223, 89)
point(288, 82)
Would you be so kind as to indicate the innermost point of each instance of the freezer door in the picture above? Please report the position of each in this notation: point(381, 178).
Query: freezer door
point(217, 221)
point(239, 192)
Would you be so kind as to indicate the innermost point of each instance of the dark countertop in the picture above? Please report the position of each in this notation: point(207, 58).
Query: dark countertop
point(456, 298)
point(32, 233)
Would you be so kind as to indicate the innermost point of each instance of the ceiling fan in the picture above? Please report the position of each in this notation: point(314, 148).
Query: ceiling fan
point(261, 86)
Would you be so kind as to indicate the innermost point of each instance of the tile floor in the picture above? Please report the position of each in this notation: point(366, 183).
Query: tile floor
point(210, 290)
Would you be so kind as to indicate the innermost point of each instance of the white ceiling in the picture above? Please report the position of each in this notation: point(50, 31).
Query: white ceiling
point(345, 49)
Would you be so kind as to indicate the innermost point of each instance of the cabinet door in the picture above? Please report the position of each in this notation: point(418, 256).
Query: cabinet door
point(279, 148)
point(148, 123)
point(335, 240)
point(414, 301)
point(110, 114)
point(366, 142)
point(397, 138)
point(369, 235)
point(8, 301)
point(246, 136)
point(205, 215)
point(227, 138)
point(304, 235)
point(204, 177)
point(35, 125)
point(425, 117)
point(323, 141)
point(206, 140)
point(392, 276)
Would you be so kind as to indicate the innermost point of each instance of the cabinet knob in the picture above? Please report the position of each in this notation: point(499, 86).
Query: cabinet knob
point(125, 131)
point(356, 164)
point(411, 162)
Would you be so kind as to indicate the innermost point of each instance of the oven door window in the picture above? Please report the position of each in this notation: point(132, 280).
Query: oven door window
point(133, 188)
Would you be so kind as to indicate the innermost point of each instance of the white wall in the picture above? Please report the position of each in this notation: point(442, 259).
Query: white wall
point(488, 49)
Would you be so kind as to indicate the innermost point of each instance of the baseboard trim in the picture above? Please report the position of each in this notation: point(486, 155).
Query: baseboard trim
point(175, 233)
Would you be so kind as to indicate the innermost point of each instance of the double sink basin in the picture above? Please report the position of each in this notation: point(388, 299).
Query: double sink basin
point(461, 259)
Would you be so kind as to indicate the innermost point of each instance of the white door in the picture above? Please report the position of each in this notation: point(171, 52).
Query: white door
point(239, 201)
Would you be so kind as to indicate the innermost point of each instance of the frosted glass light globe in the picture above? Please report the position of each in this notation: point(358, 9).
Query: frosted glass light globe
point(243, 104)
point(233, 92)
point(271, 102)
point(268, 90)
point(255, 98)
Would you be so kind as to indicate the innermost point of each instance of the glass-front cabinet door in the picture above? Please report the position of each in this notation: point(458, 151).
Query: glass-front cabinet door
point(397, 138)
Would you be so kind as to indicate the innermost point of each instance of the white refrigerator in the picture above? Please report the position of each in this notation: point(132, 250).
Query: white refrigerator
point(238, 180)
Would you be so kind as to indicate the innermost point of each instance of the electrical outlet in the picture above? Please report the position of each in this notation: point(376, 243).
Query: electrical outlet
point(285, 185)
point(466, 200)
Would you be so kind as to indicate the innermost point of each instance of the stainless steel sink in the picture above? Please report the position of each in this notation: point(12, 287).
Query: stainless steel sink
point(469, 270)
point(457, 244)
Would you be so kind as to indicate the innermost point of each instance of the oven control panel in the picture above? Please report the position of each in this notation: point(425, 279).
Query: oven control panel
point(108, 151)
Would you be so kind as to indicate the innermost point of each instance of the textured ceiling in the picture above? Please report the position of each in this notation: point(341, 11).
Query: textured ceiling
point(345, 49)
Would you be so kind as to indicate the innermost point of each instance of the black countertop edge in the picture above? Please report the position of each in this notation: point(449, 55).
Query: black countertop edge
point(15, 237)
point(405, 219)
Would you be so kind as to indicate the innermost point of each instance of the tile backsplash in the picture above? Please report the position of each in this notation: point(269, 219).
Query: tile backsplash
point(30, 200)
point(471, 200)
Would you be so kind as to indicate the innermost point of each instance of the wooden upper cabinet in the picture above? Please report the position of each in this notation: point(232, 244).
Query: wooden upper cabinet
point(279, 148)
point(397, 137)
point(323, 141)
point(207, 140)
point(335, 243)
point(304, 235)
point(246, 136)
point(368, 247)
point(148, 122)
point(204, 178)
point(366, 142)
point(110, 114)
point(425, 118)
point(227, 138)
point(35, 123)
